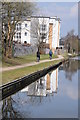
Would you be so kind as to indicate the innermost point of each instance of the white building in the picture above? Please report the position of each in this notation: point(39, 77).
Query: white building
point(51, 26)
point(22, 34)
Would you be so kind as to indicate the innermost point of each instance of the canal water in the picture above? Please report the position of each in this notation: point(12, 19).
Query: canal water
point(53, 96)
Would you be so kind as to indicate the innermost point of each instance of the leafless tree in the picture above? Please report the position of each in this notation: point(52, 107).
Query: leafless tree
point(71, 42)
point(11, 13)
point(39, 32)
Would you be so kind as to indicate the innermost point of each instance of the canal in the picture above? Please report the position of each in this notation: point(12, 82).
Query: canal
point(53, 96)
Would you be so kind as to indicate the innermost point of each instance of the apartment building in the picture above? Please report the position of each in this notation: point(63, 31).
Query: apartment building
point(49, 27)
point(22, 32)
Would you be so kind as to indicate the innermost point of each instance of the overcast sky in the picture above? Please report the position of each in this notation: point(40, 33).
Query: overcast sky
point(66, 11)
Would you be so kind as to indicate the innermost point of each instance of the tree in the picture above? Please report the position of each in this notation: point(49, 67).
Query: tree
point(71, 33)
point(11, 14)
point(39, 32)
point(71, 42)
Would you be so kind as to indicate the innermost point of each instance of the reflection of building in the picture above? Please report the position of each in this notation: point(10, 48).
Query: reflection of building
point(52, 81)
point(45, 85)
point(37, 88)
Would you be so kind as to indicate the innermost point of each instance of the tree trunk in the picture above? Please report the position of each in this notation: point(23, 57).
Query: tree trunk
point(9, 43)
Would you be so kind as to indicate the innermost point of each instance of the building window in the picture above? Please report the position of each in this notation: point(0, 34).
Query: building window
point(43, 27)
point(18, 26)
point(25, 33)
point(43, 35)
point(18, 35)
point(25, 25)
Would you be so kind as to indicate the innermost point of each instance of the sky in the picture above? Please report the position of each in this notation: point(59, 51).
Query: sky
point(66, 11)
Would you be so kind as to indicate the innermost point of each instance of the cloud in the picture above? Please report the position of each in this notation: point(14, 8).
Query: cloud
point(72, 93)
point(67, 12)
point(62, 10)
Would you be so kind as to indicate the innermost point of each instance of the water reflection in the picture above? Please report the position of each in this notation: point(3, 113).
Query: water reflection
point(39, 99)
point(8, 110)
point(44, 86)
point(70, 68)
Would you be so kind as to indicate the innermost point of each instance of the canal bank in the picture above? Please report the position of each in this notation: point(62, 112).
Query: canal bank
point(58, 99)
point(18, 84)
point(12, 74)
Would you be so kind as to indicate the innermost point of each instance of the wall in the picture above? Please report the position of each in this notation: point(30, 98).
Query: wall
point(55, 35)
point(50, 34)
point(20, 50)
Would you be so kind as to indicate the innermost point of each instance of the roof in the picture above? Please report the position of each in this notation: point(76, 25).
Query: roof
point(35, 16)
point(54, 17)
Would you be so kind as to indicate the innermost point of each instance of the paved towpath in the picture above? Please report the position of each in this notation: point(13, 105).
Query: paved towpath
point(29, 64)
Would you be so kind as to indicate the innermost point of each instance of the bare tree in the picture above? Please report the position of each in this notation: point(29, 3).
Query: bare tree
point(11, 14)
point(71, 42)
point(71, 33)
point(39, 32)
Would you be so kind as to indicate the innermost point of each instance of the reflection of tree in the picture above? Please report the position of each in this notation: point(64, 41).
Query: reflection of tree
point(70, 68)
point(33, 99)
point(7, 109)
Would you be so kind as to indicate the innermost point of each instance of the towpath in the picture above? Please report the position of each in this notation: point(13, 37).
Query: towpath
point(29, 64)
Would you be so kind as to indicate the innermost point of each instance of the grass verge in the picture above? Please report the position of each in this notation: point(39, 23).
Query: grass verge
point(11, 75)
point(6, 62)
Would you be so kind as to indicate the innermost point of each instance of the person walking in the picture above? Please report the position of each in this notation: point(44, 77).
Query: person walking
point(50, 54)
point(38, 55)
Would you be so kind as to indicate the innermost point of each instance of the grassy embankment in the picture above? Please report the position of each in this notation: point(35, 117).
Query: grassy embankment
point(8, 76)
point(23, 60)
point(11, 75)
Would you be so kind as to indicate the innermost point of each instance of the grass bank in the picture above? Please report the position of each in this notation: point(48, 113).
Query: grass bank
point(11, 75)
point(6, 62)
